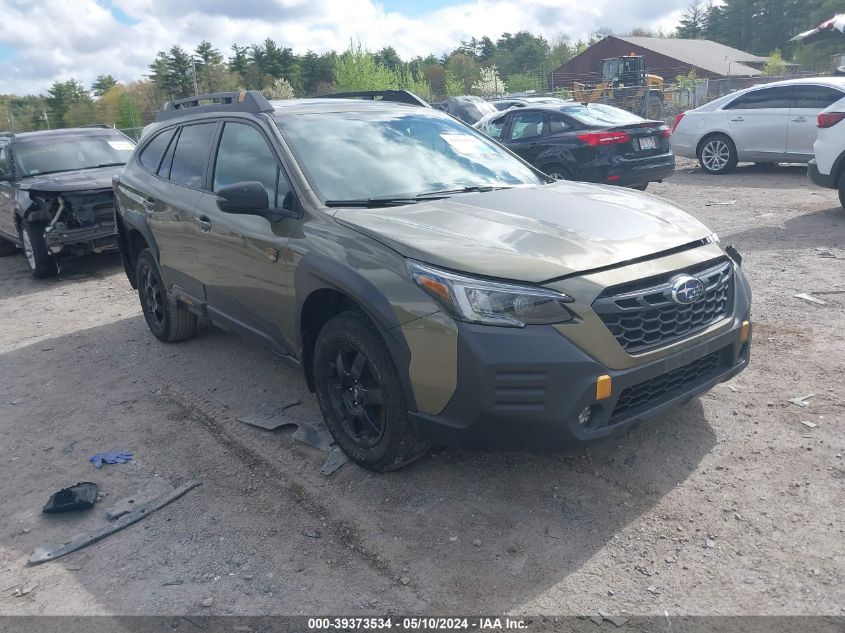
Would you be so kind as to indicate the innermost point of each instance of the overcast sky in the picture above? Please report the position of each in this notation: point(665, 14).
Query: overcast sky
point(46, 40)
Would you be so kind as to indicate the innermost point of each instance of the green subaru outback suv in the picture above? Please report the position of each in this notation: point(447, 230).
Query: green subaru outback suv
point(433, 287)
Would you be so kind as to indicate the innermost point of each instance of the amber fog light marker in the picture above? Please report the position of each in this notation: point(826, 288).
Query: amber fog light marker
point(603, 387)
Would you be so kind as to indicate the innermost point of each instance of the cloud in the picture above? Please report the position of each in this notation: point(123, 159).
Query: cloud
point(57, 40)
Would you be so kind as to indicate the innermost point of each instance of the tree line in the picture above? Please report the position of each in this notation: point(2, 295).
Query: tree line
point(513, 62)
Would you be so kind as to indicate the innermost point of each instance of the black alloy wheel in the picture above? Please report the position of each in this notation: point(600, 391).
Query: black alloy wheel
point(355, 396)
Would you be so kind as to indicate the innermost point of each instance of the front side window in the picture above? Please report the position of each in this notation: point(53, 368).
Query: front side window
point(494, 128)
point(191, 154)
point(779, 97)
point(354, 155)
point(50, 154)
point(526, 125)
point(243, 155)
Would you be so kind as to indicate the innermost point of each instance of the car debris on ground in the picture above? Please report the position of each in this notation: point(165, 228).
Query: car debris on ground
point(801, 401)
point(82, 496)
point(809, 298)
point(52, 552)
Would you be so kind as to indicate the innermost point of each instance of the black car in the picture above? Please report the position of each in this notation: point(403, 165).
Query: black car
point(56, 198)
point(587, 142)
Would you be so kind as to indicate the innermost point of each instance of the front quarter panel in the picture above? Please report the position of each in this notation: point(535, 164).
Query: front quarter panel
point(325, 255)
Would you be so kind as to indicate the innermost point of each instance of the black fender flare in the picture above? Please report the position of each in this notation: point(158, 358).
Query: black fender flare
point(317, 272)
point(838, 168)
point(127, 222)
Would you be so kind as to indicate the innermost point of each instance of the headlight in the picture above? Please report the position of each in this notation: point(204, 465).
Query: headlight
point(489, 302)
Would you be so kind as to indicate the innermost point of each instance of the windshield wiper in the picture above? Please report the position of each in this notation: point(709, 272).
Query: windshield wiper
point(108, 165)
point(470, 189)
point(371, 203)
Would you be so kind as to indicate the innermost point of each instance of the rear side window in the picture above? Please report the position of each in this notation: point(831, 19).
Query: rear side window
point(779, 97)
point(526, 125)
point(558, 124)
point(816, 97)
point(152, 154)
point(191, 155)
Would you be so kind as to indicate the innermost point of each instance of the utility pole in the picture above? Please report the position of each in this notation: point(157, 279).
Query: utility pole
point(11, 123)
point(46, 120)
point(194, 74)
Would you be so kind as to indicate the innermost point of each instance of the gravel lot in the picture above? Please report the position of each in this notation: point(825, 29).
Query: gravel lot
point(729, 505)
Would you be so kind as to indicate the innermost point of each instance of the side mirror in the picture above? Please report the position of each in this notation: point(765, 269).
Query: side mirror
point(248, 198)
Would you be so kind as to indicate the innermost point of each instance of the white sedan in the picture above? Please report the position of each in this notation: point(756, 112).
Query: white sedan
point(769, 123)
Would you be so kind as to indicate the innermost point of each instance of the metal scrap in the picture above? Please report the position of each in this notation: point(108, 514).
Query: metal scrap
point(52, 552)
point(801, 401)
point(810, 298)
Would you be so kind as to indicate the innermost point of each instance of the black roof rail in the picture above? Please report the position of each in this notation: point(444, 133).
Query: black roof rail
point(98, 125)
point(250, 101)
point(398, 96)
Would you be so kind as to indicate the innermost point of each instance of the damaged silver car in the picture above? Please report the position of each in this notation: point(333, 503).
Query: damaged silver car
point(56, 199)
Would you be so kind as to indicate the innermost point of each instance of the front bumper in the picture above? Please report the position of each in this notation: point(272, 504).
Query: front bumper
point(818, 178)
point(97, 237)
point(523, 389)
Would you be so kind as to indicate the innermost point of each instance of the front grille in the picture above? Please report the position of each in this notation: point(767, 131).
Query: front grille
point(643, 316)
point(664, 387)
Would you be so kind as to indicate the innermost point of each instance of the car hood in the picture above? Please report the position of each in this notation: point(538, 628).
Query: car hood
point(532, 234)
point(67, 181)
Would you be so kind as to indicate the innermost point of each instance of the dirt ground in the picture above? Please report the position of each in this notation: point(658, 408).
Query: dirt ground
point(728, 505)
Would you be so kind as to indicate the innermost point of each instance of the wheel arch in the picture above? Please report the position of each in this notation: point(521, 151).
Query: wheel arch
point(710, 135)
point(838, 168)
point(131, 240)
point(325, 288)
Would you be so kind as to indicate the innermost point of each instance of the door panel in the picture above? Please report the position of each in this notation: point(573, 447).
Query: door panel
point(243, 256)
point(759, 120)
point(7, 207)
point(809, 101)
point(526, 136)
point(170, 205)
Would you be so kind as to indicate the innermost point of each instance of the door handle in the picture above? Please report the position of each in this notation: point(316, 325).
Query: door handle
point(739, 118)
point(800, 119)
point(204, 223)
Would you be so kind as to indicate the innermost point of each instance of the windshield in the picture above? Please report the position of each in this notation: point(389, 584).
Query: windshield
point(600, 114)
point(361, 155)
point(49, 155)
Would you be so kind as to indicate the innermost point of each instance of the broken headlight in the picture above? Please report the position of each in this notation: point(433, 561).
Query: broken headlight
point(491, 302)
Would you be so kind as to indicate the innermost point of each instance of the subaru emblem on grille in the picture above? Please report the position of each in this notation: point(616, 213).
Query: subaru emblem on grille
point(687, 289)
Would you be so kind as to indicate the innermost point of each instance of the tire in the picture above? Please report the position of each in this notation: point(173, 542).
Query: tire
point(654, 109)
point(842, 190)
point(41, 262)
point(360, 395)
point(717, 154)
point(7, 248)
point(168, 320)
